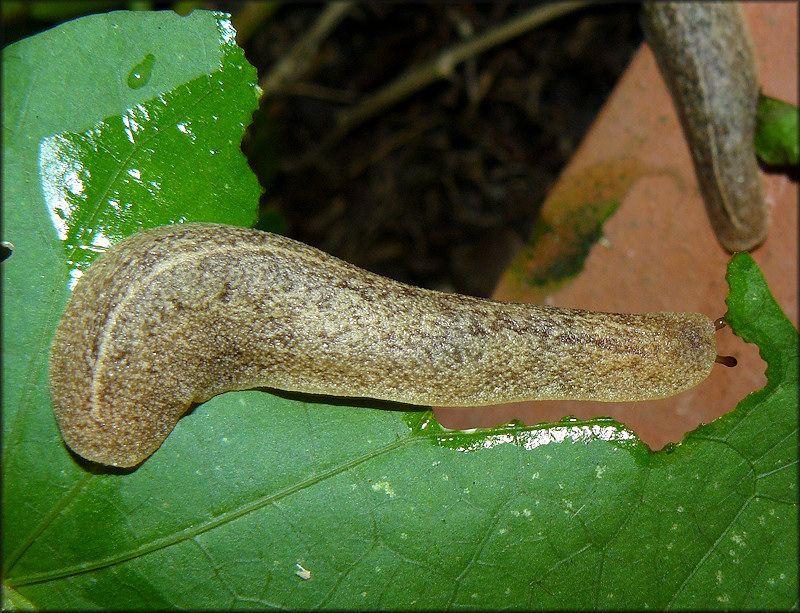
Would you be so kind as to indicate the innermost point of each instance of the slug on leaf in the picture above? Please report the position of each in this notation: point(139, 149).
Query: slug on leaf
point(172, 316)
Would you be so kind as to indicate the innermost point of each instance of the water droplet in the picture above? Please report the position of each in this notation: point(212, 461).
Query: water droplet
point(140, 74)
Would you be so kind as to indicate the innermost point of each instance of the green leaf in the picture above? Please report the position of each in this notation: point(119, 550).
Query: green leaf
point(13, 601)
point(776, 132)
point(381, 505)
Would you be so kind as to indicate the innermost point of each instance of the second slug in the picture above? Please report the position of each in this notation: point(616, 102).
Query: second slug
point(706, 55)
point(172, 316)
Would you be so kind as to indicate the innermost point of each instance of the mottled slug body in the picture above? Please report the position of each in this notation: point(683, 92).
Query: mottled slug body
point(174, 315)
point(707, 58)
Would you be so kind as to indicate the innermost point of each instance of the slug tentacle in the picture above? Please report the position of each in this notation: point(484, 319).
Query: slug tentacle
point(177, 314)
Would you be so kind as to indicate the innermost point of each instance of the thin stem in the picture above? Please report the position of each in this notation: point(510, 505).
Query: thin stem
point(292, 65)
point(440, 67)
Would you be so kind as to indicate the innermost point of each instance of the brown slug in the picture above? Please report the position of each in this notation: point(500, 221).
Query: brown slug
point(706, 56)
point(174, 315)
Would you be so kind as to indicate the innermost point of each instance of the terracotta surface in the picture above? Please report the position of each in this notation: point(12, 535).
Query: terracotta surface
point(658, 251)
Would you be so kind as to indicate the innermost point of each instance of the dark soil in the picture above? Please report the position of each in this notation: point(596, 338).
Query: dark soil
point(441, 189)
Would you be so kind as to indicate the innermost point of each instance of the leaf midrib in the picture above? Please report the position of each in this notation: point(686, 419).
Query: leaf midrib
point(200, 528)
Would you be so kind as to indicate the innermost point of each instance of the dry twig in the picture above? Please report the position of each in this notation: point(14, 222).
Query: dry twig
point(440, 67)
point(292, 65)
